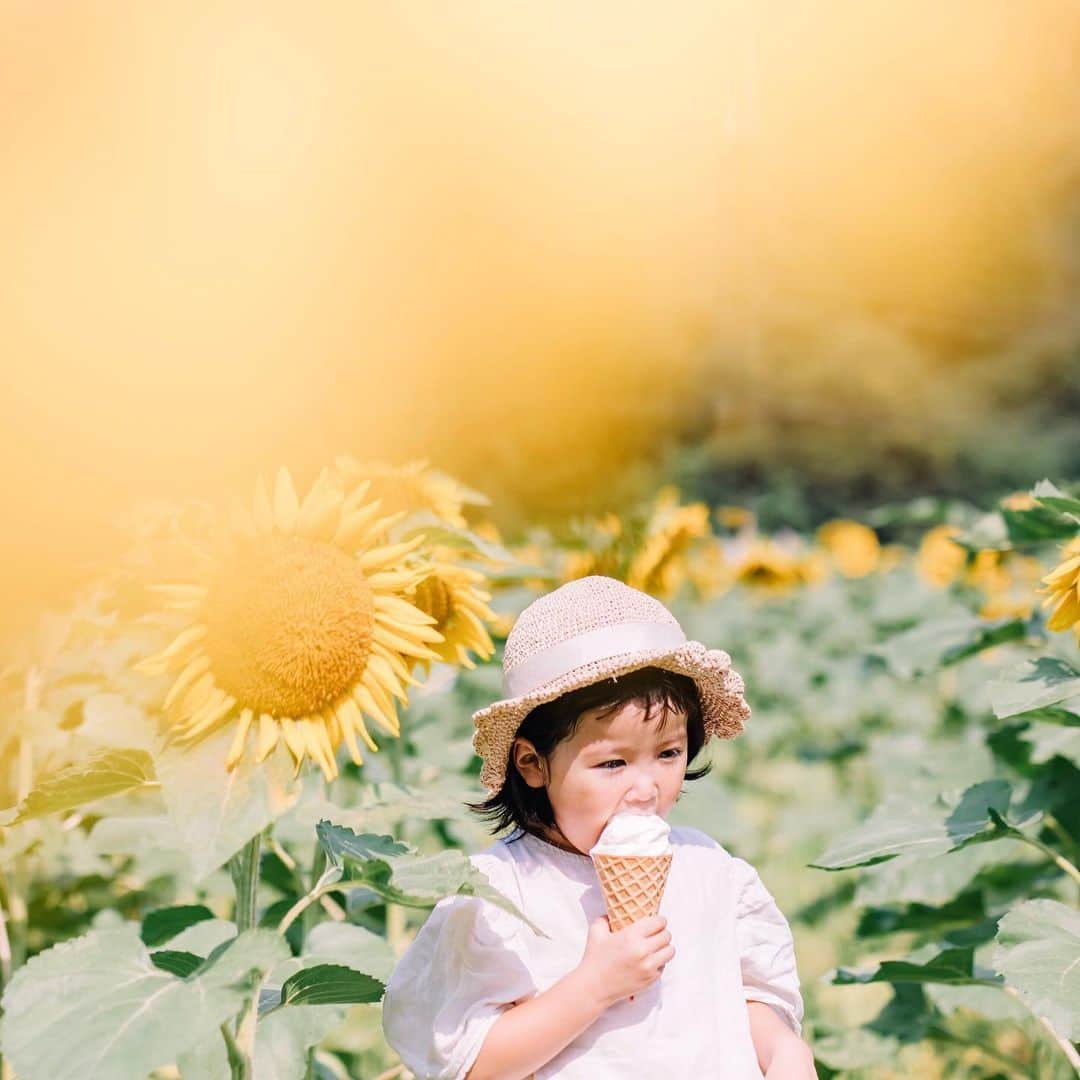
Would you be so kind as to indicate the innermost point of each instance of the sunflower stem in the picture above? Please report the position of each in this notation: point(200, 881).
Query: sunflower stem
point(244, 867)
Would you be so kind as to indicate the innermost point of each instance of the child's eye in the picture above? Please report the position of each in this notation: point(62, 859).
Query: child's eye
point(675, 752)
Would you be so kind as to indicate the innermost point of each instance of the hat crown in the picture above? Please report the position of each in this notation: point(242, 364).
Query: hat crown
point(579, 607)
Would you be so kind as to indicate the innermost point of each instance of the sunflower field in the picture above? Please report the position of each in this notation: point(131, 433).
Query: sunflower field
point(234, 769)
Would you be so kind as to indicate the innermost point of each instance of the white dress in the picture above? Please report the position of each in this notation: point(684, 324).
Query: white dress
point(471, 960)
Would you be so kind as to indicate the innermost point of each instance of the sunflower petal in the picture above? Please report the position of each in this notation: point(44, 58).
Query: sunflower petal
point(294, 741)
point(363, 698)
point(236, 751)
point(199, 666)
point(352, 720)
point(180, 597)
point(320, 513)
point(354, 524)
point(402, 610)
point(269, 731)
point(286, 506)
point(403, 645)
point(261, 509)
point(179, 652)
point(381, 557)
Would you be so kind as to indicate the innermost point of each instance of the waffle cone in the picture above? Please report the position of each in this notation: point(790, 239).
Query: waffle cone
point(633, 885)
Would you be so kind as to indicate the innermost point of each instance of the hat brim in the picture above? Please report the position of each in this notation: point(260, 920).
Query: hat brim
point(723, 707)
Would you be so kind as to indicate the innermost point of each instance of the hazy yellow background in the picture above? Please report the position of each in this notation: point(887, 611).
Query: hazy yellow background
point(526, 240)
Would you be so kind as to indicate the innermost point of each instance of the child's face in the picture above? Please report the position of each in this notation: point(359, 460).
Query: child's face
point(611, 764)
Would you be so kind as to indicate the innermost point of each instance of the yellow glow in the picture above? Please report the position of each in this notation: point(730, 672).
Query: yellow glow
point(495, 235)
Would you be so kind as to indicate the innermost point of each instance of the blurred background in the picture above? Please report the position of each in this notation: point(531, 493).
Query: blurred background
point(804, 256)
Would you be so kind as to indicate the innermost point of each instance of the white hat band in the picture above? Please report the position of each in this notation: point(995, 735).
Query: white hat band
point(598, 644)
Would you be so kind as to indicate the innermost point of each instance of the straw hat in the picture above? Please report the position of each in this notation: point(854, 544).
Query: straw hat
point(591, 629)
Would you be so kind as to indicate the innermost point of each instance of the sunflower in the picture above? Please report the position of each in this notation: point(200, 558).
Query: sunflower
point(1063, 586)
point(710, 572)
point(603, 546)
point(766, 565)
point(940, 561)
point(301, 630)
point(854, 548)
point(452, 596)
point(659, 566)
point(411, 487)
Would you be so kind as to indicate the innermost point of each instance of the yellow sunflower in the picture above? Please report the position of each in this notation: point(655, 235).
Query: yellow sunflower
point(301, 630)
point(603, 552)
point(1063, 586)
point(709, 571)
point(410, 487)
point(853, 547)
point(939, 561)
point(452, 595)
point(659, 566)
point(765, 565)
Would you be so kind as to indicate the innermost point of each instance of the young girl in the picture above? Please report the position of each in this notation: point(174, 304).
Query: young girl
point(605, 704)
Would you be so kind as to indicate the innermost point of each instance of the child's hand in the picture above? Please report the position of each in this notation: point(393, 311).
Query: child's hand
point(620, 964)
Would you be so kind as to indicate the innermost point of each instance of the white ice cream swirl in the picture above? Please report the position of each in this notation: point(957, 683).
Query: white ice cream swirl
point(634, 834)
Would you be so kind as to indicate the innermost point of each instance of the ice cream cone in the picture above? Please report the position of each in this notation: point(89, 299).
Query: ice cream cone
point(633, 885)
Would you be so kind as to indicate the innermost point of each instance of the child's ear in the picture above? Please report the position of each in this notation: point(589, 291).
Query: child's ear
point(528, 762)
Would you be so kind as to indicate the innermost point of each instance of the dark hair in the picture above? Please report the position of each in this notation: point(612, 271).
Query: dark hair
point(518, 805)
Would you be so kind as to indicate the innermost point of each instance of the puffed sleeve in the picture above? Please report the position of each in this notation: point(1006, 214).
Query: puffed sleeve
point(466, 966)
point(766, 948)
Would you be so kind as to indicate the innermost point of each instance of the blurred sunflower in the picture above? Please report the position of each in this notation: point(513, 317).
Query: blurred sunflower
point(1062, 585)
point(602, 549)
point(410, 487)
point(734, 517)
point(1019, 500)
point(766, 565)
point(302, 628)
point(1007, 581)
point(854, 547)
point(939, 561)
point(709, 571)
point(659, 566)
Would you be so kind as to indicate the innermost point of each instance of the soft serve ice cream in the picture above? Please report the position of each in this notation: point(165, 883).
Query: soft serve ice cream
point(634, 834)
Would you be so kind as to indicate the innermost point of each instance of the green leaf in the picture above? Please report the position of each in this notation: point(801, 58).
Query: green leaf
point(99, 1006)
point(952, 967)
point(165, 923)
point(395, 873)
point(1048, 740)
point(1038, 953)
point(107, 773)
point(176, 962)
point(932, 645)
point(960, 911)
point(903, 826)
point(1051, 496)
point(215, 812)
point(330, 984)
point(354, 946)
point(1036, 684)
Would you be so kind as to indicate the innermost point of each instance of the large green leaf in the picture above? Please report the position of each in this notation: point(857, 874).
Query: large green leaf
point(1038, 953)
point(107, 773)
point(1048, 740)
point(1056, 499)
point(215, 812)
point(953, 967)
point(1036, 684)
point(330, 984)
point(164, 923)
point(99, 1007)
point(905, 826)
point(395, 873)
point(931, 645)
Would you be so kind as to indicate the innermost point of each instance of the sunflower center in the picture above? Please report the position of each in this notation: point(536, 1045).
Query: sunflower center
point(290, 623)
point(433, 598)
